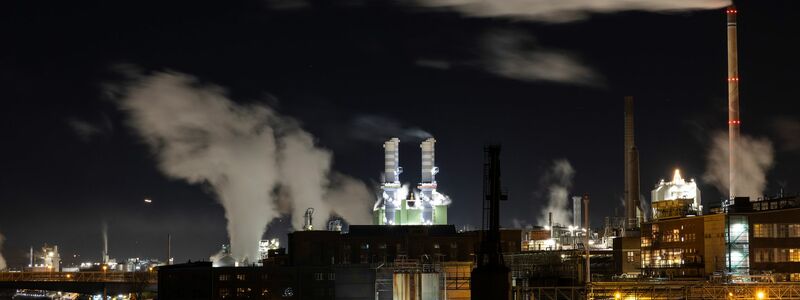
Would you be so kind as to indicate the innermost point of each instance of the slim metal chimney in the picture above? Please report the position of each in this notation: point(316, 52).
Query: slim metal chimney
point(169, 249)
point(587, 264)
point(631, 192)
point(733, 100)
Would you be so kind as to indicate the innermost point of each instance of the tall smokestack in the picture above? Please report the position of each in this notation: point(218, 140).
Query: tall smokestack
point(576, 211)
point(631, 192)
point(733, 99)
point(105, 243)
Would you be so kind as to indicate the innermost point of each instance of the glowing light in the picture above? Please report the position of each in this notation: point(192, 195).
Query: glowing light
point(147, 200)
point(617, 295)
point(677, 177)
point(760, 295)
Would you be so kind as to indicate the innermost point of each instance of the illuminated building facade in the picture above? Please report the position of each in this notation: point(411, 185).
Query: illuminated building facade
point(772, 233)
point(684, 247)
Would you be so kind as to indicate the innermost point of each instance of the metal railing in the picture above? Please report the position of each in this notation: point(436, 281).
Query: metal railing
point(121, 277)
point(662, 290)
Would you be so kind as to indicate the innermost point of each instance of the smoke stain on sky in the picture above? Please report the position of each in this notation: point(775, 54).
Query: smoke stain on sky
point(243, 152)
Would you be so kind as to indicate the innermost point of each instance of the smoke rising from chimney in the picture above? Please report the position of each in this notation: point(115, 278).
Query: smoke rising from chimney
point(3, 265)
point(251, 156)
point(557, 181)
point(754, 158)
point(562, 11)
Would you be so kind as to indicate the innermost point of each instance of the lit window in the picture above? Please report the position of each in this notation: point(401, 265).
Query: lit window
point(760, 230)
point(224, 293)
point(241, 277)
point(224, 277)
point(794, 230)
point(794, 255)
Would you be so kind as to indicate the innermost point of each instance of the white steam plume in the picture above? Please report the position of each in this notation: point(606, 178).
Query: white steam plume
point(754, 157)
point(559, 11)
point(557, 182)
point(3, 265)
point(515, 55)
point(374, 128)
point(244, 152)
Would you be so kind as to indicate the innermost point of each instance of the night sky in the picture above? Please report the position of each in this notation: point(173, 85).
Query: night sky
point(354, 73)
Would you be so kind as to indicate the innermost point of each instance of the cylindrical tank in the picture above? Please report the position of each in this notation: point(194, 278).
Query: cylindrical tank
point(430, 287)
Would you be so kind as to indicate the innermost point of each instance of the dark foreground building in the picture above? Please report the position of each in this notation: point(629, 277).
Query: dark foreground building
point(368, 262)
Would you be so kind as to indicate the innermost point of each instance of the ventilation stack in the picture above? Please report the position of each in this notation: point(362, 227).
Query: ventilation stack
point(734, 122)
point(434, 205)
point(389, 201)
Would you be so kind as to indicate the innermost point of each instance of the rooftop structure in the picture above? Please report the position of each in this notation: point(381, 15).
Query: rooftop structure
point(676, 198)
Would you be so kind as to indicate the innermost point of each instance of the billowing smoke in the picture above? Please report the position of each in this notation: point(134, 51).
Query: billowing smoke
point(515, 55)
point(557, 11)
point(373, 128)
point(3, 265)
point(557, 182)
point(251, 156)
point(754, 158)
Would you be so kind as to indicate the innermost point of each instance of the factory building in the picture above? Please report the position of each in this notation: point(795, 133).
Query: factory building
point(46, 260)
point(744, 240)
point(368, 262)
point(766, 237)
point(400, 205)
point(692, 246)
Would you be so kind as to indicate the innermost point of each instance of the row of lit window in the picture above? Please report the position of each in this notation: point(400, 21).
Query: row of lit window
point(398, 246)
point(776, 255)
point(239, 277)
point(769, 205)
point(324, 276)
point(225, 293)
point(669, 238)
point(774, 230)
point(668, 257)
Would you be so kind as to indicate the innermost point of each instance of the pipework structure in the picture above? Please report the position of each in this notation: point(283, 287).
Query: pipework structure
point(491, 278)
point(399, 204)
point(734, 122)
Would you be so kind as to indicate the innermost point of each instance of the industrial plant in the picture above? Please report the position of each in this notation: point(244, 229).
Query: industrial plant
point(400, 205)
point(676, 245)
